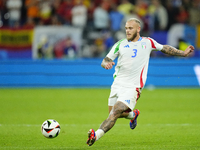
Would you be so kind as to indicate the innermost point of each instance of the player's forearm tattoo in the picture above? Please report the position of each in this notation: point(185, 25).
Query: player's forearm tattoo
point(107, 59)
point(118, 109)
point(172, 51)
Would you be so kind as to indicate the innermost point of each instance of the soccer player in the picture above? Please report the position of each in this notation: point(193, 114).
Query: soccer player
point(130, 75)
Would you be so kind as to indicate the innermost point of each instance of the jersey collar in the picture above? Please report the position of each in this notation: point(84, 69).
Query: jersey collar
point(140, 39)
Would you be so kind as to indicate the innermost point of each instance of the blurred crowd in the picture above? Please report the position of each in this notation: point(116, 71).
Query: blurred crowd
point(100, 15)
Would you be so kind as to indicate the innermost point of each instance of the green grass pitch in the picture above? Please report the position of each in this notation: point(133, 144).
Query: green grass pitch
point(169, 120)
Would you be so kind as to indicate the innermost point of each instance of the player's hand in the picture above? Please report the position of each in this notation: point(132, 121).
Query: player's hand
point(188, 50)
point(109, 65)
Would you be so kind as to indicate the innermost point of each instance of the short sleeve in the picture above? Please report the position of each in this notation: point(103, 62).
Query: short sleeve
point(155, 45)
point(114, 52)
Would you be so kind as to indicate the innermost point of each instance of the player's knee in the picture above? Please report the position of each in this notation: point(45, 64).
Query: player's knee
point(117, 111)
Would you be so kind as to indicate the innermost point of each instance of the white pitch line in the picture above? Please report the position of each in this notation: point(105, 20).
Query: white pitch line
point(75, 125)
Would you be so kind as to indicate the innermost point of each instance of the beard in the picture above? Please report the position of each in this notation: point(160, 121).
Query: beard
point(132, 37)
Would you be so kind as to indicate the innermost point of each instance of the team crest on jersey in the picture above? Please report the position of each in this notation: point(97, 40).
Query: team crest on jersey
point(144, 45)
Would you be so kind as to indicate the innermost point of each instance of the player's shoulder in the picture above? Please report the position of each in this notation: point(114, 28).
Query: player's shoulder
point(121, 41)
point(118, 44)
point(148, 39)
point(153, 43)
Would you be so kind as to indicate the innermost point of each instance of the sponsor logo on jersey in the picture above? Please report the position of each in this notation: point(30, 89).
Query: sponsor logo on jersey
point(144, 45)
point(126, 46)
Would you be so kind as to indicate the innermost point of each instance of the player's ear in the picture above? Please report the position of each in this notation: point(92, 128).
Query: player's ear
point(138, 29)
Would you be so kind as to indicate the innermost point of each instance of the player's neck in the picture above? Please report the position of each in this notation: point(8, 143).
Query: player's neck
point(136, 38)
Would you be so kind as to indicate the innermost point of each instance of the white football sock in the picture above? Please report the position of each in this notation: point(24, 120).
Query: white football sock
point(99, 133)
point(131, 115)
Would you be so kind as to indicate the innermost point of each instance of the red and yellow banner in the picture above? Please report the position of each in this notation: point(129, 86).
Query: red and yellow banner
point(16, 39)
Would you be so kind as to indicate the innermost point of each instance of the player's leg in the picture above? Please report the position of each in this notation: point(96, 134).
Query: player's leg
point(107, 124)
point(127, 115)
point(116, 112)
point(129, 97)
point(110, 108)
point(117, 109)
point(113, 99)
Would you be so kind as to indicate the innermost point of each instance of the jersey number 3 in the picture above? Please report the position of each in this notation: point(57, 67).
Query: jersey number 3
point(134, 53)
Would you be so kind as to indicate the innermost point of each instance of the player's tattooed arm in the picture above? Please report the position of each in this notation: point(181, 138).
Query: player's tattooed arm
point(107, 63)
point(175, 52)
point(172, 51)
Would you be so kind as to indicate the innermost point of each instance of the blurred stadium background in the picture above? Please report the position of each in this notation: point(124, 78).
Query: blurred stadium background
point(48, 43)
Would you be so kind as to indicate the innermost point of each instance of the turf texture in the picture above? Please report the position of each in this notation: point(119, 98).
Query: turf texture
point(169, 120)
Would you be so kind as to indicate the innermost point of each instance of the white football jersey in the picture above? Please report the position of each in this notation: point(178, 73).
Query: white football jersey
point(133, 59)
